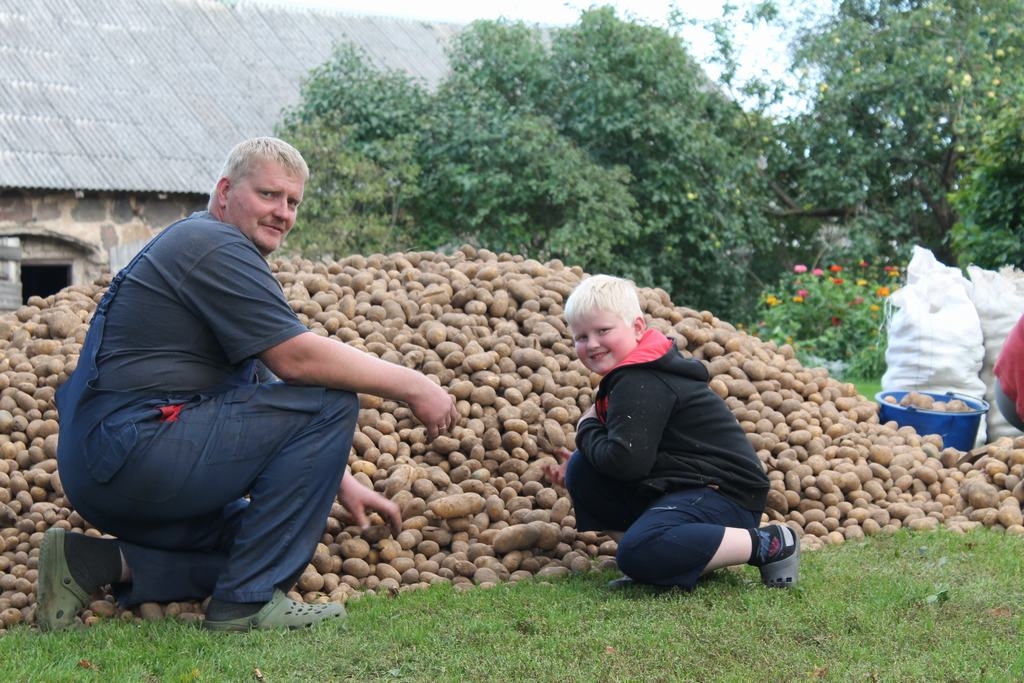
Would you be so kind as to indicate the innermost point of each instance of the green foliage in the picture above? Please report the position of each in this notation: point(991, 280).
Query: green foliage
point(991, 198)
point(378, 103)
point(632, 96)
point(609, 148)
point(601, 144)
point(834, 314)
point(504, 62)
point(501, 175)
point(900, 91)
point(518, 186)
point(353, 203)
point(605, 145)
point(356, 127)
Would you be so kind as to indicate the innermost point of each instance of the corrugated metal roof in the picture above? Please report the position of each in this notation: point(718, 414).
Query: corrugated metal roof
point(149, 95)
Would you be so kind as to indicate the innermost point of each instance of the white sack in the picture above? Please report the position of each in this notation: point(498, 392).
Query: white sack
point(999, 300)
point(935, 338)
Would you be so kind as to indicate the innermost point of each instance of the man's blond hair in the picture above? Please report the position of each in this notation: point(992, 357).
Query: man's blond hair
point(247, 154)
point(615, 295)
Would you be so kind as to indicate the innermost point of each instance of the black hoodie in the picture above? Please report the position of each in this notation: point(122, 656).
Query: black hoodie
point(661, 428)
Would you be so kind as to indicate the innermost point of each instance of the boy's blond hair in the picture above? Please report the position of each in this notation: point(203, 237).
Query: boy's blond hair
point(244, 157)
point(603, 293)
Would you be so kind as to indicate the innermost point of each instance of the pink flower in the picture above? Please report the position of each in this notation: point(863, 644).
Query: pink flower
point(799, 268)
point(802, 292)
point(818, 272)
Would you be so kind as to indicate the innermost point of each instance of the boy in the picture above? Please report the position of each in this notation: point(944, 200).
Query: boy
point(661, 462)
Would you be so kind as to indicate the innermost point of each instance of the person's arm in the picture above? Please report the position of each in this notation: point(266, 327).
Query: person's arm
point(556, 473)
point(357, 499)
point(311, 359)
point(626, 446)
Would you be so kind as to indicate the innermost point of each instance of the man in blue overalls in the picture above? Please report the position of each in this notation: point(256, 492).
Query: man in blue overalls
point(216, 478)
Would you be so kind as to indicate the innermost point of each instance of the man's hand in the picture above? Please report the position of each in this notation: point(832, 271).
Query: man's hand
point(313, 360)
point(357, 499)
point(434, 407)
point(556, 474)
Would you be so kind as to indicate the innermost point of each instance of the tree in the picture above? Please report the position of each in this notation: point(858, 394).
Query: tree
point(602, 144)
point(500, 173)
point(631, 95)
point(354, 201)
point(357, 127)
point(607, 101)
point(507, 180)
point(990, 200)
point(901, 89)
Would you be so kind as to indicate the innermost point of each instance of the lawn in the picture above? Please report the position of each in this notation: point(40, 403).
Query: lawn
point(936, 606)
point(867, 387)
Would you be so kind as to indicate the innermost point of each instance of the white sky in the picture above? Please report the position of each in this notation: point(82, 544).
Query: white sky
point(762, 52)
point(547, 12)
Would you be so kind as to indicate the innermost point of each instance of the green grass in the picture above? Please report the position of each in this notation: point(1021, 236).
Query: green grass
point(908, 607)
point(867, 387)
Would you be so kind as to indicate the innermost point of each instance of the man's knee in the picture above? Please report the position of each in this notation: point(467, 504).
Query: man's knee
point(343, 406)
point(339, 399)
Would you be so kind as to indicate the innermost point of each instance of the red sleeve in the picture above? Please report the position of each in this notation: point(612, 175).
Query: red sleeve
point(1009, 367)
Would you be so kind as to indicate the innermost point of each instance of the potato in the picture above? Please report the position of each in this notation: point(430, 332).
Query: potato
point(459, 505)
point(517, 537)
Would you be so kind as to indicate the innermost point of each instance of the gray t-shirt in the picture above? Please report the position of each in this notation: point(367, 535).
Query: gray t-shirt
point(199, 303)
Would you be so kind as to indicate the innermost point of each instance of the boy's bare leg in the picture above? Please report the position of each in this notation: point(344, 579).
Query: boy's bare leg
point(778, 556)
point(734, 549)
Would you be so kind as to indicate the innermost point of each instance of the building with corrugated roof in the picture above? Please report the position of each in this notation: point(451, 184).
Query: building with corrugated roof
point(115, 115)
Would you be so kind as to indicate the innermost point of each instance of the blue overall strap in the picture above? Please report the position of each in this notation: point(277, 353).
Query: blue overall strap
point(69, 396)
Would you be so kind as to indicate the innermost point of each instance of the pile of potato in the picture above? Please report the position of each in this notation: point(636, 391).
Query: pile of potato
point(476, 508)
point(923, 401)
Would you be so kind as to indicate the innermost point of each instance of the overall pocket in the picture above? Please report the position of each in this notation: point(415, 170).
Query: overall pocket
point(108, 448)
point(255, 421)
point(144, 459)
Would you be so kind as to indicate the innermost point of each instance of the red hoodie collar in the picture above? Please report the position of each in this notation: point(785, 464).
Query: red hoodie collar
point(651, 346)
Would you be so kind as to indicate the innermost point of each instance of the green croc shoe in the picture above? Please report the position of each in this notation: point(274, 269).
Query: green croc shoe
point(59, 598)
point(280, 612)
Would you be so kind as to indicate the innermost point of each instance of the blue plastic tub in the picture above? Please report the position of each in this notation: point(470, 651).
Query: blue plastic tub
point(958, 430)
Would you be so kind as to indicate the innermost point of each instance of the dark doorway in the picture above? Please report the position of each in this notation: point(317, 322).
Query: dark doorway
point(43, 280)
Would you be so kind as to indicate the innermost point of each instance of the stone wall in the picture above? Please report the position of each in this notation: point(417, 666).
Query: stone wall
point(80, 228)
